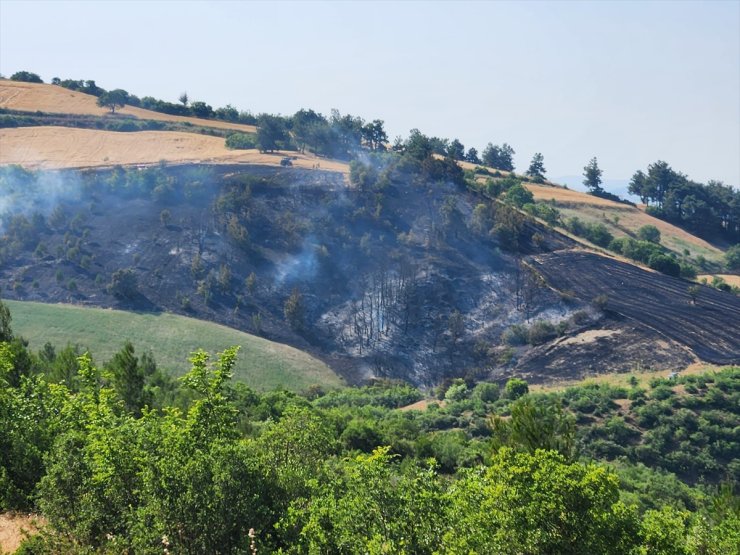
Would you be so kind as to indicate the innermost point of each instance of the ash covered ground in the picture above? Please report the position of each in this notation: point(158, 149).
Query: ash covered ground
point(395, 281)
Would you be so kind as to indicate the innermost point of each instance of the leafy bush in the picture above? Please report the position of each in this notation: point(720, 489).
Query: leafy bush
point(241, 141)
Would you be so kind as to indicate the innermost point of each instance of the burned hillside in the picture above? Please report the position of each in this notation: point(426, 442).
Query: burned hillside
point(395, 275)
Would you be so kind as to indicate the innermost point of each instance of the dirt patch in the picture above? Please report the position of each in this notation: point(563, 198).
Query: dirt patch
point(588, 336)
point(15, 527)
point(66, 147)
point(423, 405)
point(32, 97)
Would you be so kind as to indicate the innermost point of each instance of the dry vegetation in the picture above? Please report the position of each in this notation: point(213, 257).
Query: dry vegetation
point(730, 279)
point(67, 147)
point(14, 528)
point(32, 97)
point(621, 219)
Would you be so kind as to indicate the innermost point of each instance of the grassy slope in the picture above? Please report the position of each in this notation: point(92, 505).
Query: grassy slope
point(262, 364)
point(623, 220)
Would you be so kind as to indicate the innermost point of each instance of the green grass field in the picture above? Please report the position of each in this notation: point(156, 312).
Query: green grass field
point(262, 364)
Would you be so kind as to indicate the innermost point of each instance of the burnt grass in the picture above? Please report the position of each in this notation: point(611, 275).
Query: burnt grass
point(709, 325)
point(390, 282)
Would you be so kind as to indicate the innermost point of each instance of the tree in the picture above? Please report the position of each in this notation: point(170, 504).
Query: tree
point(456, 150)
point(499, 157)
point(26, 76)
point(472, 156)
point(518, 195)
point(128, 378)
point(515, 388)
point(6, 332)
point(123, 284)
point(184, 99)
point(374, 135)
point(649, 233)
point(201, 110)
point(732, 257)
point(537, 503)
point(535, 424)
point(113, 99)
point(270, 131)
point(592, 176)
point(537, 168)
point(294, 310)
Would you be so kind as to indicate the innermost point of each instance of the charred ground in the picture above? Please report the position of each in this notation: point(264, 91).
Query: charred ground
point(402, 277)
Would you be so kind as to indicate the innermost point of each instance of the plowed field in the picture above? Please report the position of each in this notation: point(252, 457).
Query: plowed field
point(710, 327)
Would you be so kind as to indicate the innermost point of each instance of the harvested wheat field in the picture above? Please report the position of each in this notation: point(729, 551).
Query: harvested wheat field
point(67, 147)
point(32, 97)
point(622, 219)
point(729, 279)
point(14, 528)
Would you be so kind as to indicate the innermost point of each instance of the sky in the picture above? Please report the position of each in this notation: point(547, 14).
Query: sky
point(627, 82)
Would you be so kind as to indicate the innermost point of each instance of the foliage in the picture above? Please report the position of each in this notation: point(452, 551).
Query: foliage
point(499, 157)
point(117, 98)
point(592, 176)
point(649, 233)
point(536, 169)
point(241, 141)
point(26, 76)
point(708, 210)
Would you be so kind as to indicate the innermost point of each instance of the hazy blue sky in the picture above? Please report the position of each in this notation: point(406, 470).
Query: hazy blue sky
point(628, 82)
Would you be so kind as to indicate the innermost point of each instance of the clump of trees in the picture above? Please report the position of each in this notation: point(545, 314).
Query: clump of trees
point(710, 210)
point(26, 76)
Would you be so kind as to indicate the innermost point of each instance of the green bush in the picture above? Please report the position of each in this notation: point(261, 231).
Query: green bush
point(241, 141)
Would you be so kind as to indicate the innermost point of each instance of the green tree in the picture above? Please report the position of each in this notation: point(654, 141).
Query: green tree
point(270, 132)
point(499, 157)
point(26, 76)
point(472, 156)
point(117, 98)
point(519, 195)
point(535, 424)
point(592, 176)
point(649, 233)
point(732, 257)
point(537, 503)
point(515, 388)
point(127, 377)
point(456, 150)
point(536, 169)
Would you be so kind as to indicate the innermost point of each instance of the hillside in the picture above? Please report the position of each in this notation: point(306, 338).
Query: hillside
point(395, 265)
point(33, 97)
point(263, 365)
point(65, 147)
point(622, 220)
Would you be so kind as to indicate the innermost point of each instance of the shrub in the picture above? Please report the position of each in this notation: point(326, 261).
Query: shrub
point(665, 264)
point(649, 233)
point(26, 76)
point(241, 141)
point(123, 284)
point(516, 388)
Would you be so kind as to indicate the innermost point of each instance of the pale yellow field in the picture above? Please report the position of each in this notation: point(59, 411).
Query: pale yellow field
point(622, 219)
point(15, 527)
point(32, 97)
point(67, 147)
point(730, 279)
